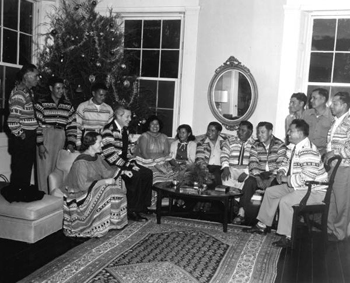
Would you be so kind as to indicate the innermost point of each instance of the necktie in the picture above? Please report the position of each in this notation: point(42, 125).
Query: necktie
point(125, 143)
point(241, 155)
point(290, 162)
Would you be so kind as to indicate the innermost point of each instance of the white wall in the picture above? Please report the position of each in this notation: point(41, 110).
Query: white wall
point(252, 32)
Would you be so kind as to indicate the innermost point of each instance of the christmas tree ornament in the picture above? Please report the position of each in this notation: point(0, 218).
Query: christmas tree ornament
point(98, 64)
point(82, 55)
point(111, 25)
point(61, 58)
point(79, 89)
point(101, 33)
point(126, 83)
point(112, 52)
point(92, 78)
point(53, 32)
point(123, 66)
point(76, 8)
point(94, 3)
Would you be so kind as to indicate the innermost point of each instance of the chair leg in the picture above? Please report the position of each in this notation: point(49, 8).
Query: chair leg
point(306, 216)
point(324, 227)
point(294, 228)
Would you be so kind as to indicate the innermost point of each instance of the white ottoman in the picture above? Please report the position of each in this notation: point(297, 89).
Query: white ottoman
point(30, 221)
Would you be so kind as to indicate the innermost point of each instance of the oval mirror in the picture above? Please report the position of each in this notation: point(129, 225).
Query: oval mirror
point(232, 93)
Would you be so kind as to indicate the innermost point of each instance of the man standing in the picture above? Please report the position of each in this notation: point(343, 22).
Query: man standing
point(138, 179)
point(235, 156)
point(266, 155)
point(303, 164)
point(94, 114)
point(57, 128)
point(209, 151)
point(297, 105)
point(23, 124)
point(339, 144)
point(319, 118)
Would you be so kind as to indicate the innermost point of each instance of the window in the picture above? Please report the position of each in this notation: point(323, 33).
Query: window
point(16, 48)
point(329, 66)
point(154, 49)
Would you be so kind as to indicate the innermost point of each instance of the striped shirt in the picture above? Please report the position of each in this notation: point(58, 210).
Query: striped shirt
point(273, 157)
point(21, 110)
point(113, 145)
point(203, 151)
point(61, 116)
point(230, 153)
point(92, 118)
point(306, 165)
point(340, 142)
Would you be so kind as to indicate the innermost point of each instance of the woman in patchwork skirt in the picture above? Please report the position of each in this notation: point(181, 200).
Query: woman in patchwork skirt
point(94, 198)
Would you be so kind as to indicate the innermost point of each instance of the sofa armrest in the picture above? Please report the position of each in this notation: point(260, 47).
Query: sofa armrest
point(55, 180)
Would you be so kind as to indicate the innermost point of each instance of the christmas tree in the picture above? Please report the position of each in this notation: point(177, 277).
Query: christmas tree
point(83, 47)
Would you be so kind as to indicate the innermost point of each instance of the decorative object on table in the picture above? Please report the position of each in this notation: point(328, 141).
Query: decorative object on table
point(178, 250)
point(195, 173)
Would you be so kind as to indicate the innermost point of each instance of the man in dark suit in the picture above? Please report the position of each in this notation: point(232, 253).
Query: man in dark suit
point(116, 149)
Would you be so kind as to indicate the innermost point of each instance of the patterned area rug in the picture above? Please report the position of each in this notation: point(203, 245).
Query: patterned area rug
point(178, 250)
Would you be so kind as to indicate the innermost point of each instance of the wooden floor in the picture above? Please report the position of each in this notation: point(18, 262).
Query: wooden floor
point(311, 261)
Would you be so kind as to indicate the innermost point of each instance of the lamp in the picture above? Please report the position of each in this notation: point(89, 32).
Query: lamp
point(220, 97)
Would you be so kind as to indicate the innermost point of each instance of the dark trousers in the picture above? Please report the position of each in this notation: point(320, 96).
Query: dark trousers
point(216, 171)
point(23, 154)
point(139, 189)
point(249, 188)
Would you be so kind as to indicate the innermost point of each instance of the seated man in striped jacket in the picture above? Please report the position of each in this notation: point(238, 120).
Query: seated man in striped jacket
point(266, 156)
point(235, 156)
point(303, 164)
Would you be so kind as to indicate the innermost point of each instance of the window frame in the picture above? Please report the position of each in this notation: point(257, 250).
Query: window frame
point(177, 93)
point(308, 49)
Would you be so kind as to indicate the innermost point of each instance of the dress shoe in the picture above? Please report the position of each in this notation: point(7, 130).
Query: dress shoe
point(238, 220)
point(256, 229)
point(135, 216)
point(284, 242)
point(332, 238)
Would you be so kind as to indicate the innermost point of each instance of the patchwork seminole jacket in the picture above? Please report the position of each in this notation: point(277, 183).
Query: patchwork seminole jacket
point(204, 150)
point(306, 165)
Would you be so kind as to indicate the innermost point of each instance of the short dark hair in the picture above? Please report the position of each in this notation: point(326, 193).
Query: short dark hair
point(88, 140)
point(217, 125)
point(55, 80)
point(323, 92)
point(99, 85)
point(300, 96)
point(267, 125)
point(188, 129)
point(301, 125)
point(247, 124)
point(25, 69)
point(150, 120)
point(344, 96)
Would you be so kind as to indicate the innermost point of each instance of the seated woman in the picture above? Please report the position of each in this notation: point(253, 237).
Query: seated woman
point(94, 200)
point(153, 151)
point(183, 150)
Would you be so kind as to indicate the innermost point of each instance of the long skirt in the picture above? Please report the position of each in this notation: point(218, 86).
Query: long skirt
point(95, 213)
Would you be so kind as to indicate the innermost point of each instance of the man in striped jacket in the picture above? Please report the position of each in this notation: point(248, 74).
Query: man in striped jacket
point(339, 144)
point(303, 164)
point(23, 124)
point(57, 129)
point(266, 156)
point(117, 151)
point(94, 114)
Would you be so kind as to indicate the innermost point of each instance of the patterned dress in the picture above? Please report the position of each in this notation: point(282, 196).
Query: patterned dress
point(91, 209)
point(159, 161)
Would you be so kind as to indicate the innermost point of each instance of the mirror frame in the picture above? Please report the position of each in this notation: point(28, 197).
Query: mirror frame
point(232, 64)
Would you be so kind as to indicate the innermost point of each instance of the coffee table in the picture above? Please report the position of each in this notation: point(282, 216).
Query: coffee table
point(166, 189)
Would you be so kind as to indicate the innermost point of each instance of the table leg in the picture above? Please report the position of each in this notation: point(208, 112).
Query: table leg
point(226, 204)
point(159, 205)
